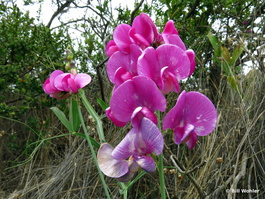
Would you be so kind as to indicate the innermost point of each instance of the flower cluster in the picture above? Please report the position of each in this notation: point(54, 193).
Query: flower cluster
point(144, 65)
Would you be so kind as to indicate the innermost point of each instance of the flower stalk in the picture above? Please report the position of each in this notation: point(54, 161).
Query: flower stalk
point(93, 114)
point(93, 152)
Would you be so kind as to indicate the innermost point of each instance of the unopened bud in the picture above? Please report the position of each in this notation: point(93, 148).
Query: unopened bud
point(172, 171)
point(73, 71)
point(67, 66)
point(165, 170)
point(72, 64)
point(180, 176)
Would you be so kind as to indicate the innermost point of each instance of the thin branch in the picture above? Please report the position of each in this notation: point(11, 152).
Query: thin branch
point(192, 10)
point(59, 10)
point(135, 10)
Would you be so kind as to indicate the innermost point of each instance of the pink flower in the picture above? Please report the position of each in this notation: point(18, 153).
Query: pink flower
point(165, 66)
point(142, 33)
point(170, 36)
point(193, 115)
point(135, 99)
point(121, 67)
point(132, 152)
point(61, 85)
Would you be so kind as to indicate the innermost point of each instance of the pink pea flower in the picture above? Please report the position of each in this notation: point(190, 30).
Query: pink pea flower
point(193, 115)
point(135, 99)
point(132, 152)
point(144, 31)
point(61, 85)
point(171, 36)
point(165, 66)
point(121, 67)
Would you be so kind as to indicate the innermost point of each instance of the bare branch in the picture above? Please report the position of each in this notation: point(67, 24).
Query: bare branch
point(59, 10)
point(135, 10)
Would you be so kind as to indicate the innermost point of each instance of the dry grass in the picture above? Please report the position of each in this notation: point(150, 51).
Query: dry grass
point(232, 157)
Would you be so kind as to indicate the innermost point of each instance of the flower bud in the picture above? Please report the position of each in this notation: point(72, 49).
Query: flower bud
point(67, 66)
point(73, 71)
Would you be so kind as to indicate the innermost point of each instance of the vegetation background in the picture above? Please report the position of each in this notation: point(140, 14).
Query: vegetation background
point(40, 159)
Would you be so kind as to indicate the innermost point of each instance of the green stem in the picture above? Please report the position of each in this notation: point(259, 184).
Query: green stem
point(161, 176)
point(93, 114)
point(93, 153)
point(161, 166)
point(124, 190)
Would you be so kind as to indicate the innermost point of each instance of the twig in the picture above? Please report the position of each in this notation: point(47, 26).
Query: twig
point(180, 168)
point(135, 10)
point(241, 174)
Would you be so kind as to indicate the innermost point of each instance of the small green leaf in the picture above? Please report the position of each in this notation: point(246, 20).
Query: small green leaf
point(233, 82)
point(100, 8)
point(225, 54)
point(74, 117)
point(102, 104)
point(215, 43)
point(236, 54)
point(61, 116)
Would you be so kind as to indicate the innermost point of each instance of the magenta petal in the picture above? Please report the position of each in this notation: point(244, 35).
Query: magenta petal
point(191, 142)
point(71, 85)
point(178, 134)
point(152, 137)
point(191, 56)
point(108, 165)
point(110, 115)
point(121, 75)
point(168, 81)
point(145, 140)
point(144, 26)
point(126, 61)
point(111, 48)
point(65, 82)
point(192, 108)
point(148, 64)
point(53, 75)
point(170, 28)
point(139, 39)
point(132, 94)
point(121, 37)
point(175, 58)
point(200, 112)
point(139, 113)
point(175, 40)
point(58, 82)
point(82, 79)
point(181, 134)
point(174, 117)
point(146, 162)
point(48, 88)
point(126, 147)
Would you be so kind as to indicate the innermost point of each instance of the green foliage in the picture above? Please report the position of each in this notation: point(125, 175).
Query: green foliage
point(225, 60)
point(28, 53)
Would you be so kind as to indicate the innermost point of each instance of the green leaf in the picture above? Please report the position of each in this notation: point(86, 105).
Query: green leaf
point(74, 116)
point(215, 43)
point(236, 54)
point(61, 116)
point(100, 8)
point(225, 54)
point(233, 82)
point(102, 104)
